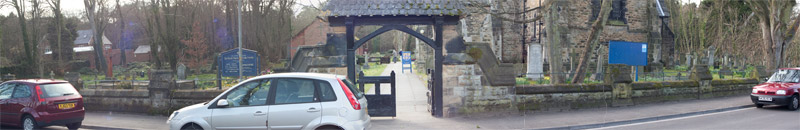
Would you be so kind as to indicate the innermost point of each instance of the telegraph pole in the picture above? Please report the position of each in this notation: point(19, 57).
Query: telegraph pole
point(239, 19)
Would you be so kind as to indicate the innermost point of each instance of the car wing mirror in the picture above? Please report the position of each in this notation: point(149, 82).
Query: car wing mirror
point(222, 103)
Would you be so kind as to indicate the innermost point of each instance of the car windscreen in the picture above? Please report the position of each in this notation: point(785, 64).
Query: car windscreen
point(353, 88)
point(787, 76)
point(57, 90)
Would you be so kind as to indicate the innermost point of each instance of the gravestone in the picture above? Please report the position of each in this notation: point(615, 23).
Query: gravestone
point(181, 71)
point(710, 56)
point(74, 79)
point(688, 60)
point(535, 61)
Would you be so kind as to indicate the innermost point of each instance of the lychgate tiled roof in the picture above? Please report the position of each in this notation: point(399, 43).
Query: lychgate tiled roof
point(359, 8)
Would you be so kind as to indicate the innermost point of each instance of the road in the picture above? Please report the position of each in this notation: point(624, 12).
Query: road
point(115, 121)
point(750, 118)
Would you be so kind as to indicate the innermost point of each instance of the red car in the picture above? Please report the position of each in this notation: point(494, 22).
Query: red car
point(780, 89)
point(37, 103)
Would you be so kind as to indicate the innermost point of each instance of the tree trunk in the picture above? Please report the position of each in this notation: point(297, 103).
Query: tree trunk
point(594, 36)
point(100, 62)
point(30, 50)
point(554, 46)
point(123, 59)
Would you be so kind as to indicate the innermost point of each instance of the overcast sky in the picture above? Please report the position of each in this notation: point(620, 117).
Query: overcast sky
point(74, 7)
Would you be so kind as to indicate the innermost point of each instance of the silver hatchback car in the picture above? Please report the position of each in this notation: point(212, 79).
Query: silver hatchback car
point(288, 101)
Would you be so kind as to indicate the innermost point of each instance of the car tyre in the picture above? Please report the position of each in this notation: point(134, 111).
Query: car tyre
point(759, 105)
point(74, 126)
point(28, 123)
point(794, 104)
point(192, 127)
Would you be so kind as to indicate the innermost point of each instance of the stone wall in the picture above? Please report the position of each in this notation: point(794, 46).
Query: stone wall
point(465, 93)
point(329, 70)
point(140, 101)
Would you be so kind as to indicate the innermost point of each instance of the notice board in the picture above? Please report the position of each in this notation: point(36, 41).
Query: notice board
point(628, 53)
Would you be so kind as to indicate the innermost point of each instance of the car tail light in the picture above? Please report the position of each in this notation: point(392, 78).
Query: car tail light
point(350, 96)
point(39, 93)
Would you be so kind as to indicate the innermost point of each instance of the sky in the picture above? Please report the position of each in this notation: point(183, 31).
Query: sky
point(75, 7)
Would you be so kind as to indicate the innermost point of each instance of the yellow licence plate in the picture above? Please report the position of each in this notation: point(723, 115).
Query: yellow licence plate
point(66, 106)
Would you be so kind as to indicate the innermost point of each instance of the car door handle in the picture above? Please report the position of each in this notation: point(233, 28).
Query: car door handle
point(312, 110)
point(259, 113)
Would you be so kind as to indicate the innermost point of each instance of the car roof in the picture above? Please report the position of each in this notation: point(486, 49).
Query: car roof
point(301, 75)
point(790, 68)
point(39, 81)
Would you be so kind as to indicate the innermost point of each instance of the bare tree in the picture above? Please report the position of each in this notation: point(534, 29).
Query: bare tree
point(123, 46)
point(30, 48)
point(773, 18)
point(95, 12)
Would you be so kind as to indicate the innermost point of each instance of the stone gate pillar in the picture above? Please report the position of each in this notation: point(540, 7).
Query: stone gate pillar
point(703, 77)
point(620, 79)
point(161, 84)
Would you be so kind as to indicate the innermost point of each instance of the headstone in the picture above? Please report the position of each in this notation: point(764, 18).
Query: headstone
point(535, 61)
point(710, 56)
point(688, 60)
point(181, 71)
point(74, 79)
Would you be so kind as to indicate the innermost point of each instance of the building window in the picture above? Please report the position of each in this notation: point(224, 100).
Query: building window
point(618, 12)
point(617, 15)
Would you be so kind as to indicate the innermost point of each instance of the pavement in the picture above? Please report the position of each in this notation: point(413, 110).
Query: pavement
point(718, 113)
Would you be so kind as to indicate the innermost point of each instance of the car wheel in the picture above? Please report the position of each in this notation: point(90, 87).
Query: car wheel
point(74, 126)
point(192, 127)
point(28, 123)
point(759, 105)
point(329, 127)
point(794, 104)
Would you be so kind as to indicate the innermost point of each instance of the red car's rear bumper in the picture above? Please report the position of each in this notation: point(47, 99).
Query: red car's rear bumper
point(62, 118)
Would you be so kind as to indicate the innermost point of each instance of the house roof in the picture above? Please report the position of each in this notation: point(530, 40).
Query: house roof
point(84, 36)
point(76, 49)
point(142, 49)
point(360, 8)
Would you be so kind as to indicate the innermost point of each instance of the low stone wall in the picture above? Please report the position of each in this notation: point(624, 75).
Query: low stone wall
point(159, 97)
point(142, 101)
point(465, 94)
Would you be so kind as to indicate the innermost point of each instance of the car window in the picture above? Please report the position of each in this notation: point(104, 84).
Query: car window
point(353, 89)
point(325, 91)
point(21, 91)
point(57, 90)
point(248, 94)
point(294, 91)
point(6, 90)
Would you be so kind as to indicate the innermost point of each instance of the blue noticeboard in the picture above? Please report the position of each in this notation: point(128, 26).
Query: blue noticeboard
point(629, 53)
point(406, 56)
point(229, 63)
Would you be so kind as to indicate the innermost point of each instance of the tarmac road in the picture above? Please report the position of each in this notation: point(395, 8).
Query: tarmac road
point(751, 118)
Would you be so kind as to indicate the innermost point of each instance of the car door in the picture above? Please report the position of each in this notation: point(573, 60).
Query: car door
point(295, 104)
point(20, 98)
point(6, 90)
point(247, 107)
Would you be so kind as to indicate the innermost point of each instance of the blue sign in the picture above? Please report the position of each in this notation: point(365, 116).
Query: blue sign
point(406, 61)
point(229, 63)
point(629, 53)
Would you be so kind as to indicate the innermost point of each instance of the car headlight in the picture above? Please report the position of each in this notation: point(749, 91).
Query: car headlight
point(780, 92)
point(755, 90)
point(174, 114)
